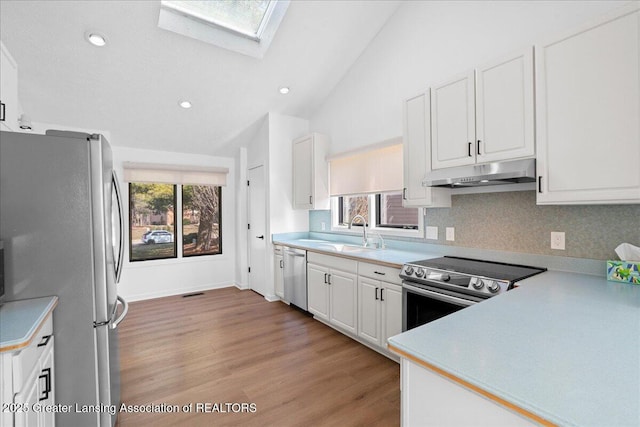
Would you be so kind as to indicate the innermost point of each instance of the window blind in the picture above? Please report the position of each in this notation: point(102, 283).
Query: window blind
point(175, 174)
point(374, 170)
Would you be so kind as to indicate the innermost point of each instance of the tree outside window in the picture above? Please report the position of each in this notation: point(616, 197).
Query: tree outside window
point(201, 220)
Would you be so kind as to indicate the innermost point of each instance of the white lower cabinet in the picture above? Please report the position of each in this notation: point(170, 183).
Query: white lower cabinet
point(332, 290)
point(427, 397)
point(28, 381)
point(379, 303)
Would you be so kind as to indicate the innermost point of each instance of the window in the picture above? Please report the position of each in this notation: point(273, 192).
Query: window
point(245, 17)
point(390, 212)
point(350, 206)
point(152, 220)
point(243, 26)
point(201, 219)
point(384, 213)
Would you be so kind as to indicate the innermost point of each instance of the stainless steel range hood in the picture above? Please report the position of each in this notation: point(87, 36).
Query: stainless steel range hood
point(507, 172)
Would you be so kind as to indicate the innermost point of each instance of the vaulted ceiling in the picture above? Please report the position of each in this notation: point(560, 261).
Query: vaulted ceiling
point(132, 86)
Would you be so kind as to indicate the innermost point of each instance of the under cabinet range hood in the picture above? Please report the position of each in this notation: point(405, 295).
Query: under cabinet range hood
point(507, 172)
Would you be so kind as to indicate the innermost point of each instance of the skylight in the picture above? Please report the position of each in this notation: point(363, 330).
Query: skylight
point(244, 17)
point(244, 26)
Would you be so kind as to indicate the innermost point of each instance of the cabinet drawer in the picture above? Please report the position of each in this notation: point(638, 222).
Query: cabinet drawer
point(277, 250)
point(338, 263)
point(380, 272)
point(26, 360)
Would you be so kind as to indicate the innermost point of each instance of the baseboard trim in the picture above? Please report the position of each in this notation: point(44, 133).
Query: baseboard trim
point(177, 291)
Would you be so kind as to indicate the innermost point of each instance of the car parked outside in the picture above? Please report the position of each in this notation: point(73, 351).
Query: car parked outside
point(157, 236)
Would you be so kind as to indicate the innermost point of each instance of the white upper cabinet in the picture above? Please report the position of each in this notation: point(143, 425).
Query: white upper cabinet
point(8, 91)
point(505, 108)
point(485, 115)
point(453, 127)
point(588, 112)
point(417, 155)
point(310, 172)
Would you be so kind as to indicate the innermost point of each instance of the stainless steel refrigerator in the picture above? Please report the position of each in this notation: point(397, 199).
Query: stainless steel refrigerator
point(61, 222)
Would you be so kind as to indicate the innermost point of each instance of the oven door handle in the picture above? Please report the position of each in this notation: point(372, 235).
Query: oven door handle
point(435, 295)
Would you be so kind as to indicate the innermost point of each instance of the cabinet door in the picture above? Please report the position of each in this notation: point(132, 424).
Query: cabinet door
point(8, 91)
point(318, 291)
point(369, 310)
point(27, 398)
point(504, 108)
point(344, 297)
point(278, 275)
point(453, 116)
point(416, 150)
point(588, 113)
point(303, 173)
point(46, 386)
point(391, 311)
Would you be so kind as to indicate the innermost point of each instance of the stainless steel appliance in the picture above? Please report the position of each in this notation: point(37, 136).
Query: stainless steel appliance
point(61, 222)
point(505, 172)
point(295, 277)
point(434, 288)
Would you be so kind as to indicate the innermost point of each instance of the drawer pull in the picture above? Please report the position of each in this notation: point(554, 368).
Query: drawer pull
point(45, 341)
point(47, 387)
point(380, 273)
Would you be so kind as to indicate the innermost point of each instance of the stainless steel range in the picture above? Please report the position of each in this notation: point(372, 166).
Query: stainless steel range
point(434, 288)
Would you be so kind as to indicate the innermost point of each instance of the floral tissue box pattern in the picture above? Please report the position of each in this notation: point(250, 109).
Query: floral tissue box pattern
point(623, 271)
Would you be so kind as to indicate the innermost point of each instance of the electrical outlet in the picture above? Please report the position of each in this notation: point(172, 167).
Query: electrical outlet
point(432, 233)
point(451, 235)
point(557, 240)
point(323, 225)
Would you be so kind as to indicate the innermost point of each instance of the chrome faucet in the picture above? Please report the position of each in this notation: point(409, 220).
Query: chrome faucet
point(364, 228)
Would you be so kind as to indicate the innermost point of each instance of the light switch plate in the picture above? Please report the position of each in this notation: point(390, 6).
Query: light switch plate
point(557, 240)
point(451, 235)
point(432, 232)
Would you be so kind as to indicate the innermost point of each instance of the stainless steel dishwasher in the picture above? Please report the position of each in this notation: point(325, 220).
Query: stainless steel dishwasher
point(295, 277)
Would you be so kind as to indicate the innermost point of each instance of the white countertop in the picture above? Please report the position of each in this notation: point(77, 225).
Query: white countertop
point(21, 320)
point(392, 257)
point(564, 346)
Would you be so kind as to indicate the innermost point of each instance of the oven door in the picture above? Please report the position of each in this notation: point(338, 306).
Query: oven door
point(422, 304)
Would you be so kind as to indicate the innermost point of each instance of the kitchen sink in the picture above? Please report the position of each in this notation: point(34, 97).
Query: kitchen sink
point(340, 247)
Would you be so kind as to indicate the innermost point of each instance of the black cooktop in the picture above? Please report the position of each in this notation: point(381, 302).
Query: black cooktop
point(475, 267)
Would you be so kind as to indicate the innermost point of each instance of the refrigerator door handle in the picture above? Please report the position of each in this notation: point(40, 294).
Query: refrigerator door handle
point(125, 310)
point(120, 260)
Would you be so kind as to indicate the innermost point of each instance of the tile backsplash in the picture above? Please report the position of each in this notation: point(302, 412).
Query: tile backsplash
point(511, 221)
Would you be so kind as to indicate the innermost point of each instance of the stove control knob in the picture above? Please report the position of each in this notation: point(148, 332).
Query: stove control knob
point(493, 287)
point(419, 272)
point(408, 270)
point(445, 278)
point(477, 283)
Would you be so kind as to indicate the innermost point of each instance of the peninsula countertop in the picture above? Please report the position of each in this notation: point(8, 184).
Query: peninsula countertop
point(563, 346)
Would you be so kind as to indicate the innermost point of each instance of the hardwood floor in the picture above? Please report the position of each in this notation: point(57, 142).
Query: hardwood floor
point(230, 346)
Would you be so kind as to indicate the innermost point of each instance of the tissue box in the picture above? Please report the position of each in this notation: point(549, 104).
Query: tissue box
point(623, 271)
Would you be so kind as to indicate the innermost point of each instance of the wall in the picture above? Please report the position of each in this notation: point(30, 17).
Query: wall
point(152, 279)
point(511, 221)
point(268, 142)
point(427, 42)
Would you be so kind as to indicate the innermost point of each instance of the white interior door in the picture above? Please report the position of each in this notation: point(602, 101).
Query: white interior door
point(257, 231)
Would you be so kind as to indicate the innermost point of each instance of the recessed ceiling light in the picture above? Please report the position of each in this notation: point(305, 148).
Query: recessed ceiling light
point(284, 90)
point(96, 39)
point(185, 104)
